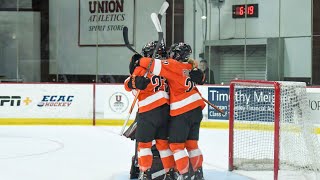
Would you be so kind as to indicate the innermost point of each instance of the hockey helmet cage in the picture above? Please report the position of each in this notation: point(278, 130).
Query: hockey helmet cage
point(180, 51)
point(147, 50)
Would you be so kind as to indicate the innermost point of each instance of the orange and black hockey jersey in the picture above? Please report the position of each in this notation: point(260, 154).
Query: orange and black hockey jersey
point(184, 95)
point(156, 93)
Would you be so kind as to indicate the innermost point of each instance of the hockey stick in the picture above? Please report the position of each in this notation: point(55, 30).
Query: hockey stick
point(126, 39)
point(214, 106)
point(162, 10)
point(157, 25)
point(129, 133)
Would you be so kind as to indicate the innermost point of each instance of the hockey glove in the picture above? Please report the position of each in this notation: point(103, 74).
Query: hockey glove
point(197, 76)
point(138, 82)
point(134, 62)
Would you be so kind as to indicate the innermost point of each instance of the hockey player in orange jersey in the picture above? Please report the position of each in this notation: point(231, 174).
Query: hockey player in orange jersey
point(186, 106)
point(152, 122)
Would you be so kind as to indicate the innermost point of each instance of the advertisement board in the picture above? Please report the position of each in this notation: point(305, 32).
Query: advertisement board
point(113, 102)
point(218, 96)
point(101, 22)
point(46, 101)
point(314, 103)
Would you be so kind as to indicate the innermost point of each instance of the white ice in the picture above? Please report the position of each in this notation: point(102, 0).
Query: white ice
point(93, 153)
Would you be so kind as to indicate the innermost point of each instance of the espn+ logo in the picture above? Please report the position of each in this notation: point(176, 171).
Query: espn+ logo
point(56, 101)
point(10, 100)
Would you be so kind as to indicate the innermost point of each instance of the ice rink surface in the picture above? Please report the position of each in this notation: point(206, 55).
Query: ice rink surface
point(94, 153)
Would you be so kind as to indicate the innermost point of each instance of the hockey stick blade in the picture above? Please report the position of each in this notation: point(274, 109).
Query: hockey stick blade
point(126, 39)
point(130, 132)
point(156, 22)
point(157, 25)
point(162, 10)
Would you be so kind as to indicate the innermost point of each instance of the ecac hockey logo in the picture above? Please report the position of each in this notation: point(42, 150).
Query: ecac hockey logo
point(56, 100)
point(118, 102)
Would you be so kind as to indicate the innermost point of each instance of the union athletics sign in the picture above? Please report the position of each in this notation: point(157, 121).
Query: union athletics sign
point(101, 21)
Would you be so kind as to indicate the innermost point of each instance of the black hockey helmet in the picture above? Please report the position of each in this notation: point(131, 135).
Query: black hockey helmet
point(180, 51)
point(148, 49)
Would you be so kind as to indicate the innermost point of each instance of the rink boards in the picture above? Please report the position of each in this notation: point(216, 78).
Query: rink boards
point(100, 104)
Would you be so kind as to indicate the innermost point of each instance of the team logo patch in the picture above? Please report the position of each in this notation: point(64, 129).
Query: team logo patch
point(118, 102)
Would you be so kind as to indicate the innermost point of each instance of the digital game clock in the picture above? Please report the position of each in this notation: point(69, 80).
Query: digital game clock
point(242, 11)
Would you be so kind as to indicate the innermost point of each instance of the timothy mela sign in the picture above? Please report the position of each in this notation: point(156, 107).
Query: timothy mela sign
point(101, 22)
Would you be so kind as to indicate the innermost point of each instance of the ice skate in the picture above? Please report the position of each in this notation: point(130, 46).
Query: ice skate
point(198, 174)
point(171, 175)
point(145, 175)
point(185, 176)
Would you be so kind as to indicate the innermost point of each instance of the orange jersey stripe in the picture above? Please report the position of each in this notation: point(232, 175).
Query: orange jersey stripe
point(184, 95)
